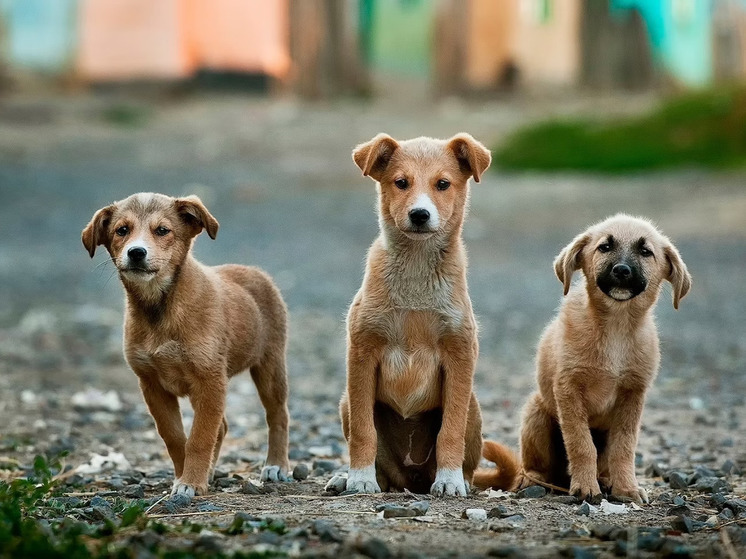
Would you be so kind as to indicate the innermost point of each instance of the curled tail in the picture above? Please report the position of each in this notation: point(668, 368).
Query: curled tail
point(506, 473)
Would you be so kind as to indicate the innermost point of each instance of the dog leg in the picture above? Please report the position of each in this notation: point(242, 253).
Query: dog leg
point(216, 454)
point(362, 437)
point(536, 443)
point(209, 408)
point(271, 384)
point(164, 407)
point(458, 373)
point(581, 452)
point(621, 446)
point(473, 450)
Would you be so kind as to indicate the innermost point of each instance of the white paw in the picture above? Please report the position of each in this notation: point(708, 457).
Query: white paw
point(363, 480)
point(449, 482)
point(179, 488)
point(273, 474)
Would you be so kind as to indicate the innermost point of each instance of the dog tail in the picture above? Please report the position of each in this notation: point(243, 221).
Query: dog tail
point(506, 473)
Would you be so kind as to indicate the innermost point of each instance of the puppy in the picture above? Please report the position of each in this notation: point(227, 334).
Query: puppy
point(598, 358)
point(409, 413)
point(188, 328)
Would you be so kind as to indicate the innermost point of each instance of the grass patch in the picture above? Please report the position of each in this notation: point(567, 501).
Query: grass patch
point(705, 129)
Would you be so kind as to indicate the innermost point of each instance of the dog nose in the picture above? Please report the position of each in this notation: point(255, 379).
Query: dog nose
point(137, 254)
point(419, 216)
point(621, 271)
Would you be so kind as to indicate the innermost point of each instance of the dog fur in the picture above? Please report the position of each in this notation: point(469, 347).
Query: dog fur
point(597, 359)
point(409, 413)
point(188, 328)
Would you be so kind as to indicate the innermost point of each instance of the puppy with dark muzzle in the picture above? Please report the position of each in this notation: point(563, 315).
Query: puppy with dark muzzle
point(188, 328)
point(598, 358)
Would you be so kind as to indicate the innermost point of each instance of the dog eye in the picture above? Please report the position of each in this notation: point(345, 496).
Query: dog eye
point(646, 252)
point(161, 231)
point(442, 184)
point(122, 231)
point(401, 183)
point(606, 247)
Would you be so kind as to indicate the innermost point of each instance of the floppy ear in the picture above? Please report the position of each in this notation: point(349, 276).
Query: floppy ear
point(569, 260)
point(195, 214)
point(678, 275)
point(95, 233)
point(473, 157)
point(372, 157)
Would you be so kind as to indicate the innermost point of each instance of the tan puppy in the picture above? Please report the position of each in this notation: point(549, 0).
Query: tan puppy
point(409, 414)
point(188, 328)
point(598, 358)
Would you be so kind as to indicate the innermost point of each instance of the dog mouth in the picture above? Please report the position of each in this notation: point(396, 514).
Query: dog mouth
point(418, 234)
point(621, 291)
point(138, 272)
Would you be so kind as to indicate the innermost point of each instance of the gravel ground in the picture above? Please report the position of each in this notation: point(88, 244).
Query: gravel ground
point(279, 178)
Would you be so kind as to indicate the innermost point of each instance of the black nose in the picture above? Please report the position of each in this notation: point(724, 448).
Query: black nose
point(621, 271)
point(137, 254)
point(419, 216)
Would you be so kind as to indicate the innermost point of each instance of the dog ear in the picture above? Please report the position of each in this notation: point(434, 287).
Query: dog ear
point(473, 157)
point(569, 260)
point(678, 274)
point(372, 157)
point(95, 232)
point(195, 214)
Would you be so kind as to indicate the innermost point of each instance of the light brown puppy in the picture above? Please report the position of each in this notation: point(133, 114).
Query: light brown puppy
point(409, 413)
point(188, 328)
point(598, 358)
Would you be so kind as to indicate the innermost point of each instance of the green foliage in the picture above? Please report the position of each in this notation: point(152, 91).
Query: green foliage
point(701, 129)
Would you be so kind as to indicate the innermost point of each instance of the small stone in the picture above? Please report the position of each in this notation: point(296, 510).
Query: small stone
point(208, 507)
point(395, 511)
point(655, 470)
point(300, 472)
point(326, 531)
point(219, 474)
point(729, 467)
point(712, 522)
point(515, 519)
point(176, 502)
point(680, 510)
point(420, 507)
point(584, 509)
point(726, 515)
point(683, 524)
point(325, 466)
point(477, 515)
point(498, 512)
point(99, 502)
point(250, 488)
point(226, 482)
point(678, 501)
point(712, 485)
point(678, 480)
point(374, 548)
point(532, 492)
point(604, 532)
point(134, 492)
point(565, 499)
point(717, 500)
point(738, 506)
point(337, 484)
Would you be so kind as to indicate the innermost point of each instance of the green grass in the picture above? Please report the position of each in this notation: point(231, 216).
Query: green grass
point(706, 129)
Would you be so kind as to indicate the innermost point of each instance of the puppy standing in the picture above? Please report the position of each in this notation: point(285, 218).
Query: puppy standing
point(597, 359)
point(188, 328)
point(409, 414)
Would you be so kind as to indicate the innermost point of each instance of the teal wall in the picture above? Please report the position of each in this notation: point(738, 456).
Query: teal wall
point(40, 34)
point(680, 34)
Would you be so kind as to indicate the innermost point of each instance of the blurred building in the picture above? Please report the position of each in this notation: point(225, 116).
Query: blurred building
point(331, 47)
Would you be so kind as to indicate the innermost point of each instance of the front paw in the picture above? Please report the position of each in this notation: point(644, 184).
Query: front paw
point(449, 482)
point(636, 494)
point(586, 489)
point(363, 480)
point(274, 474)
point(188, 489)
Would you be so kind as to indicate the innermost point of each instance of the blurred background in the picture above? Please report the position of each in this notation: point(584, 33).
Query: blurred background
point(590, 107)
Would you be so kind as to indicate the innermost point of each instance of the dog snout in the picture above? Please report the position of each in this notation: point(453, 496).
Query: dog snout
point(137, 254)
point(419, 216)
point(621, 271)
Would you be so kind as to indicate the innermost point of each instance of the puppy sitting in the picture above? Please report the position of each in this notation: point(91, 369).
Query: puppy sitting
point(188, 328)
point(409, 413)
point(598, 358)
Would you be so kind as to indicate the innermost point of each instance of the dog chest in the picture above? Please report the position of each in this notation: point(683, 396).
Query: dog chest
point(169, 363)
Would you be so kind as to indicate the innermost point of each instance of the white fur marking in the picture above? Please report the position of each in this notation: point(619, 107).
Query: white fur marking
point(424, 202)
point(449, 482)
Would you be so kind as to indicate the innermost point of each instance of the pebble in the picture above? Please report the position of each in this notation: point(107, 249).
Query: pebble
point(325, 466)
point(477, 515)
point(682, 524)
point(300, 472)
point(226, 482)
point(374, 548)
point(712, 522)
point(337, 485)
point(565, 499)
point(729, 467)
point(326, 531)
point(584, 509)
point(738, 506)
point(680, 510)
point(251, 488)
point(176, 502)
point(678, 480)
point(208, 507)
point(134, 492)
point(712, 485)
point(500, 511)
point(532, 492)
point(606, 532)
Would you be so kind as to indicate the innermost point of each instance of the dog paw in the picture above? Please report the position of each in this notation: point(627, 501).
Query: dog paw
point(449, 482)
point(588, 491)
point(337, 484)
point(362, 480)
point(635, 494)
point(189, 491)
point(274, 474)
